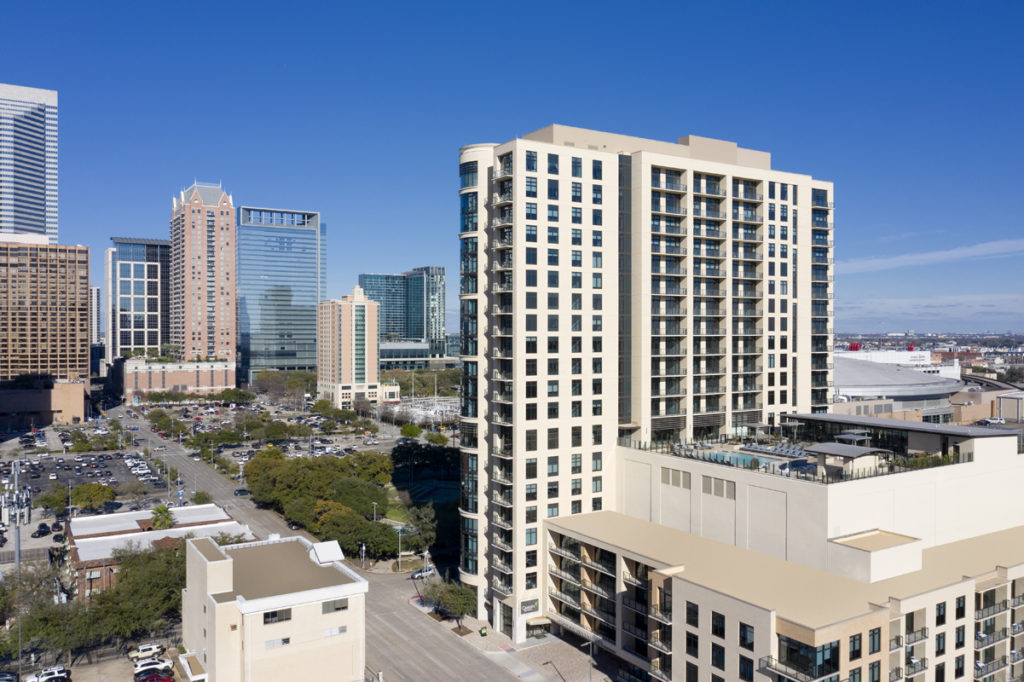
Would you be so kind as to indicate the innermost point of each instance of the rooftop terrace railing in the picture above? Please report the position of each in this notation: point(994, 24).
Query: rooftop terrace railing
point(709, 453)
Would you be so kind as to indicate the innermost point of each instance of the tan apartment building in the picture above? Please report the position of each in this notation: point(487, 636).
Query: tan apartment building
point(281, 609)
point(715, 571)
point(348, 356)
point(44, 331)
point(202, 278)
point(618, 286)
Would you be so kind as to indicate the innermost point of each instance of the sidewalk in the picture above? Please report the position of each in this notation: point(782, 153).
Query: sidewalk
point(544, 659)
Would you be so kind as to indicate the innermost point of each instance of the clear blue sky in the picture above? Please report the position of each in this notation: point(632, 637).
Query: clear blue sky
point(358, 110)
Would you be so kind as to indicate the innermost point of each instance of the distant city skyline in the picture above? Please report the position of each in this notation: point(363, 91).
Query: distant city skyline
point(898, 121)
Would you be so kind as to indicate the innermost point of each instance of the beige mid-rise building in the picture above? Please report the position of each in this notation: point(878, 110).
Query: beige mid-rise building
point(348, 356)
point(281, 609)
point(619, 287)
point(202, 278)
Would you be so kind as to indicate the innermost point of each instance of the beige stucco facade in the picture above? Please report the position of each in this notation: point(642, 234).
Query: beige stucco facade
point(275, 610)
point(142, 376)
point(348, 356)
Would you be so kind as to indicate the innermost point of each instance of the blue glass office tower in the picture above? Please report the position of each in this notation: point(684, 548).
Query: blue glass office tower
point(411, 305)
point(281, 273)
point(389, 291)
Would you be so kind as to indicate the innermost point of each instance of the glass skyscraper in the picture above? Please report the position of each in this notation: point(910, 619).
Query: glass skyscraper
point(138, 296)
point(28, 161)
point(411, 305)
point(281, 273)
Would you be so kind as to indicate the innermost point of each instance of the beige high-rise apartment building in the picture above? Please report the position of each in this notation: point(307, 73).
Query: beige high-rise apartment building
point(202, 280)
point(44, 309)
point(619, 287)
point(279, 609)
point(347, 350)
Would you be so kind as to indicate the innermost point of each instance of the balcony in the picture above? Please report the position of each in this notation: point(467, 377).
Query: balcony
point(607, 616)
point(504, 451)
point(747, 218)
point(820, 203)
point(827, 243)
point(669, 209)
point(1016, 629)
point(597, 588)
point(502, 264)
point(663, 614)
point(502, 170)
point(564, 575)
point(573, 554)
point(563, 597)
point(501, 588)
point(990, 611)
point(501, 396)
point(983, 670)
point(502, 220)
point(503, 198)
point(500, 522)
point(984, 640)
point(500, 544)
point(747, 331)
point(501, 287)
point(915, 666)
point(774, 665)
point(633, 630)
point(746, 195)
point(501, 353)
point(603, 566)
point(502, 566)
point(501, 476)
point(895, 642)
point(1016, 655)
point(1017, 601)
point(917, 636)
point(715, 215)
point(635, 605)
point(711, 190)
point(745, 236)
point(502, 500)
point(662, 228)
point(748, 255)
point(747, 275)
point(895, 674)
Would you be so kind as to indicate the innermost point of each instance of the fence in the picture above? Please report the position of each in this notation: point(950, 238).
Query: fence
point(34, 554)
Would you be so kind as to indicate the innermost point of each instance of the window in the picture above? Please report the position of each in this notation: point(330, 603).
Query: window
point(855, 647)
point(961, 607)
point(553, 164)
point(855, 675)
point(577, 506)
point(577, 463)
point(552, 389)
point(875, 669)
point(531, 536)
point(959, 637)
point(597, 216)
point(717, 624)
point(577, 236)
point(940, 613)
point(597, 238)
point(531, 187)
point(577, 259)
point(596, 463)
point(552, 235)
point(718, 656)
point(940, 672)
point(577, 167)
point(692, 645)
point(531, 255)
point(531, 491)
point(553, 466)
point(595, 504)
point(596, 174)
point(597, 194)
point(596, 280)
point(467, 174)
point(531, 440)
point(552, 254)
point(577, 216)
point(531, 558)
point(531, 161)
point(553, 189)
point(577, 408)
point(746, 669)
point(334, 605)
point(577, 486)
point(596, 408)
point(553, 213)
point(692, 614)
point(552, 489)
point(531, 210)
point(577, 192)
point(531, 580)
point(552, 510)
point(552, 438)
point(875, 640)
point(552, 410)
point(279, 616)
point(747, 636)
point(596, 484)
point(531, 278)
point(940, 643)
point(531, 512)
point(531, 467)
point(958, 667)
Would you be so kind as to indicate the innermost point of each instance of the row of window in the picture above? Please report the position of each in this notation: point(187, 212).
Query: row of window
point(596, 214)
point(576, 234)
point(576, 279)
point(596, 191)
point(576, 437)
point(576, 409)
point(576, 261)
point(596, 168)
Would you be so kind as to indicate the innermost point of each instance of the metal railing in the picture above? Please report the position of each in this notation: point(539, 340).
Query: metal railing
point(565, 552)
point(501, 523)
point(597, 588)
point(895, 642)
point(663, 613)
point(635, 605)
point(917, 636)
point(776, 666)
point(989, 611)
point(501, 588)
point(606, 616)
point(983, 640)
point(501, 544)
point(602, 566)
point(635, 631)
point(564, 575)
point(914, 667)
point(982, 670)
point(562, 596)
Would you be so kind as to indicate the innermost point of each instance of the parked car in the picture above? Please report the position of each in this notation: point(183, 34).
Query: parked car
point(52, 674)
point(59, 537)
point(424, 573)
point(56, 527)
point(241, 492)
point(154, 676)
point(153, 664)
point(148, 650)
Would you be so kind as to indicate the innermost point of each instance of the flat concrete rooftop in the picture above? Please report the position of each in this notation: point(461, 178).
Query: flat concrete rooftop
point(874, 540)
point(800, 594)
point(277, 568)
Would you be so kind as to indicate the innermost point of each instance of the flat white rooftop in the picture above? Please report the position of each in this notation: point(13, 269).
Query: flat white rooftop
point(129, 522)
point(104, 546)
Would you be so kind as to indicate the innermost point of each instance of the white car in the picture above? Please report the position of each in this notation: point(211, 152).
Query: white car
point(53, 477)
point(57, 672)
point(147, 664)
point(150, 650)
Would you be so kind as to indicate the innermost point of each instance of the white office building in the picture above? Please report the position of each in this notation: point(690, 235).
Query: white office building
point(28, 161)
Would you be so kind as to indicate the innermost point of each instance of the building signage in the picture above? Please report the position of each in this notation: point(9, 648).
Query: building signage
point(529, 606)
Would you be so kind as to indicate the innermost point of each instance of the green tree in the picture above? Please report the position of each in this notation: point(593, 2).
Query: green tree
point(360, 495)
point(56, 499)
point(425, 521)
point(132, 489)
point(453, 599)
point(92, 495)
point(201, 497)
point(435, 438)
point(411, 431)
point(162, 517)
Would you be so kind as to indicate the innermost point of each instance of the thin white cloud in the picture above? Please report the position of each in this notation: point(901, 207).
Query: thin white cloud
point(1002, 247)
point(959, 307)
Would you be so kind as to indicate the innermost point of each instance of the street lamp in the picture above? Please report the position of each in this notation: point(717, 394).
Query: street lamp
point(590, 647)
point(374, 511)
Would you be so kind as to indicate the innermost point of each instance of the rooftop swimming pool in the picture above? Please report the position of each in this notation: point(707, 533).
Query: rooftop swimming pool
point(740, 459)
